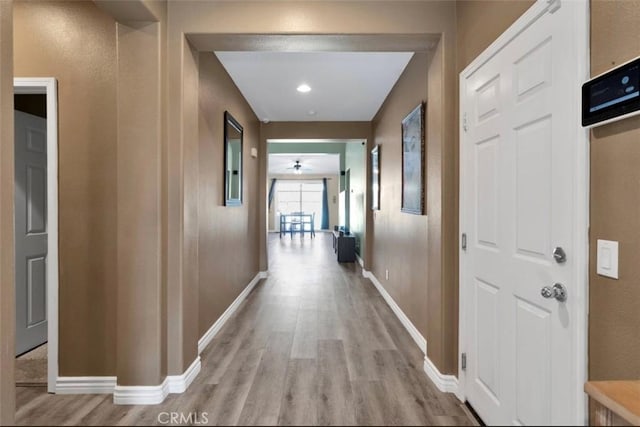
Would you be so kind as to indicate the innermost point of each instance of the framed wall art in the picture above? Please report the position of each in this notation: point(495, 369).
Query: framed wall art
point(413, 162)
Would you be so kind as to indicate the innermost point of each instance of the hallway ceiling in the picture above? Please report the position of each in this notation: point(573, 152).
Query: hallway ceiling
point(345, 86)
point(312, 164)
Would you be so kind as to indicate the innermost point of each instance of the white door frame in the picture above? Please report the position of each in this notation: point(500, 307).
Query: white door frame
point(48, 87)
point(581, 195)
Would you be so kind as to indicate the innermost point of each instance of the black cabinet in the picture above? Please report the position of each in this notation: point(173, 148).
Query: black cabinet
point(344, 247)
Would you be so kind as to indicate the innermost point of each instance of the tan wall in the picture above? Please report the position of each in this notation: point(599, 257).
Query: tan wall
point(75, 42)
point(480, 23)
point(400, 239)
point(227, 250)
point(140, 345)
point(7, 297)
point(614, 308)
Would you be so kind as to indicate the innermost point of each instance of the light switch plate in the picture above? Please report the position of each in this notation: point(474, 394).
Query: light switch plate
point(607, 259)
point(254, 152)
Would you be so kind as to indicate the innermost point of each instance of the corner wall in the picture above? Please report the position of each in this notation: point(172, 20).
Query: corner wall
point(7, 294)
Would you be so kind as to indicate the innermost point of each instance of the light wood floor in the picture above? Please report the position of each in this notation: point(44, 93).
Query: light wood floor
point(313, 344)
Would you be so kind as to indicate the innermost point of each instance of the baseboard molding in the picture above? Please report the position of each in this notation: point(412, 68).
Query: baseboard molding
point(180, 383)
point(410, 327)
point(361, 262)
point(445, 383)
point(85, 385)
point(141, 394)
point(215, 328)
point(153, 395)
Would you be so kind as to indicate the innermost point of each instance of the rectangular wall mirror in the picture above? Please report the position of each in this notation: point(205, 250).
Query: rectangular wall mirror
point(233, 161)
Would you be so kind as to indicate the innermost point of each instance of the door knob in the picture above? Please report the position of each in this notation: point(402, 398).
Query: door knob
point(557, 291)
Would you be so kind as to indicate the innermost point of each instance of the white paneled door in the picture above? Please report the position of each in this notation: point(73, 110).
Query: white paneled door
point(518, 204)
point(30, 230)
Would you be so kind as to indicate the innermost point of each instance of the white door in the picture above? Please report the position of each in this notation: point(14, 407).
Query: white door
point(518, 163)
point(30, 230)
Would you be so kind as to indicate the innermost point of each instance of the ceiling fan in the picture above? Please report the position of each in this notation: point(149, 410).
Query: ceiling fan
point(298, 168)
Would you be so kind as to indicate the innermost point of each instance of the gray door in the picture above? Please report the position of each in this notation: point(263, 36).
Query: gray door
point(30, 230)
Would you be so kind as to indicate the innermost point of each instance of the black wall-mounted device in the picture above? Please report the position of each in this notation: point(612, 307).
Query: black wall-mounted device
point(613, 95)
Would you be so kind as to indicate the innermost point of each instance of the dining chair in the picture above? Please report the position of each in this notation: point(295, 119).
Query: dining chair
point(311, 223)
point(296, 225)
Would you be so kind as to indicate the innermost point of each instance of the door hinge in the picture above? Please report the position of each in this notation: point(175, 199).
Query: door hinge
point(464, 122)
point(463, 241)
point(463, 362)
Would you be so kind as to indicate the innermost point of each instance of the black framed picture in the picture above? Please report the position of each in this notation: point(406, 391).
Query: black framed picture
point(375, 178)
point(413, 167)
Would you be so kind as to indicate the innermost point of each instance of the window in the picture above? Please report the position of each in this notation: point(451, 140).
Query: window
point(300, 196)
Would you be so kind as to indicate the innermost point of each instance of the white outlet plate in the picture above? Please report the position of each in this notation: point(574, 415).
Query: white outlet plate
point(607, 259)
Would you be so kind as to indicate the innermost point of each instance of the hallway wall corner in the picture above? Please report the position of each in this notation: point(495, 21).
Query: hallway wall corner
point(7, 298)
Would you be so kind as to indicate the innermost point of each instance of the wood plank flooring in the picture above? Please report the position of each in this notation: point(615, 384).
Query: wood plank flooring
point(314, 344)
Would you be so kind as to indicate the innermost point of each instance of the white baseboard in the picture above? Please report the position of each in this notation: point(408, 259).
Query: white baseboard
point(85, 385)
point(180, 383)
point(445, 383)
point(410, 327)
point(141, 394)
point(153, 395)
point(215, 328)
point(361, 262)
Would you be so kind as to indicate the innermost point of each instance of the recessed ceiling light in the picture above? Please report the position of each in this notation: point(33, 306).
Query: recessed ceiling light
point(312, 112)
point(304, 88)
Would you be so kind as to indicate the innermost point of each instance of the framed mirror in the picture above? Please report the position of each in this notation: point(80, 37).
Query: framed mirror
point(375, 178)
point(232, 161)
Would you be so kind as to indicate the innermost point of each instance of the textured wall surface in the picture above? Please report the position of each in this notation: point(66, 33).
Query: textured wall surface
point(227, 251)
point(614, 308)
point(400, 239)
point(75, 42)
point(7, 294)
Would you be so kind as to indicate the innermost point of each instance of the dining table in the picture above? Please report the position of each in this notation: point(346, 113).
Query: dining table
point(295, 218)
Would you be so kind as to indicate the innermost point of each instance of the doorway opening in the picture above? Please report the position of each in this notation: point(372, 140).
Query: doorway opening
point(314, 178)
point(36, 231)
